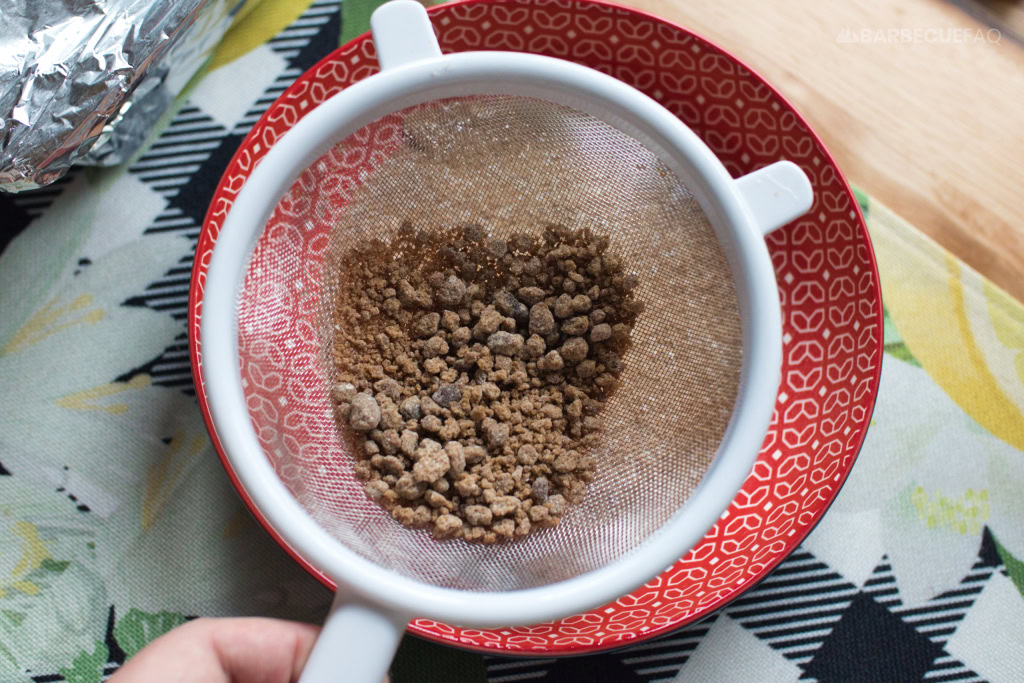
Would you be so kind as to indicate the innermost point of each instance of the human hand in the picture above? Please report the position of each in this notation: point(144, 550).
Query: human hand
point(239, 650)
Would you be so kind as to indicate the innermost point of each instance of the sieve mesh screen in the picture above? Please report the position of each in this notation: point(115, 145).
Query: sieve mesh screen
point(510, 164)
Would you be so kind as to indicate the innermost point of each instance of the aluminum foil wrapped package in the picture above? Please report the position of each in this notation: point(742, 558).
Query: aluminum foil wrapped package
point(83, 81)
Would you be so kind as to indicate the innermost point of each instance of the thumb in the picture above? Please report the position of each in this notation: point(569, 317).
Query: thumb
point(242, 650)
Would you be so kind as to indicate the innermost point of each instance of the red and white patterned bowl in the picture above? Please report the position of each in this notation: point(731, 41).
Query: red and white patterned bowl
point(828, 287)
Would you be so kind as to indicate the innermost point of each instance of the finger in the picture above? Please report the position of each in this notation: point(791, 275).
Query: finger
point(248, 650)
point(257, 650)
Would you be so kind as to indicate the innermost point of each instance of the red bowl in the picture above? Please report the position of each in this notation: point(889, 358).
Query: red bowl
point(828, 287)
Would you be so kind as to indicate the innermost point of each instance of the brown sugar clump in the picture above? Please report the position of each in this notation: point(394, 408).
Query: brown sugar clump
point(471, 372)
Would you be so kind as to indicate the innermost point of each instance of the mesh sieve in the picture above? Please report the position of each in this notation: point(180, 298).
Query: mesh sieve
point(507, 163)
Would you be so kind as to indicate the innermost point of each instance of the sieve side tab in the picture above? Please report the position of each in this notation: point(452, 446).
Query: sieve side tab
point(402, 34)
point(776, 194)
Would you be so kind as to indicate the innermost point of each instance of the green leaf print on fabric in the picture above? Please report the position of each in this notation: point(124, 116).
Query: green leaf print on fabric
point(863, 201)
point(893, 342)
point(137, 629)
point(1014, 567)
point(53, 603)
point(13, 617)
point(6, 655)
point(54, 566)
point(87, 667)
point(355, 17)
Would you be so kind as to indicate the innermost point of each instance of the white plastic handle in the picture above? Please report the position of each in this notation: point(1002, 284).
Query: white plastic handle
point(776, 194)
point(402, 34)
point(358, 641)
point(356, 644)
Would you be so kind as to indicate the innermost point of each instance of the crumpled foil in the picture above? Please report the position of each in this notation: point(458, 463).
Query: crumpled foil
point(83, 81)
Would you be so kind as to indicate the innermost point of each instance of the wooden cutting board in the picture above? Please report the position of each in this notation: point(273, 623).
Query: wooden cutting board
point(931, 124)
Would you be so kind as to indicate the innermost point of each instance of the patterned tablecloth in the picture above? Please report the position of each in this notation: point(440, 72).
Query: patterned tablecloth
point(118, 523)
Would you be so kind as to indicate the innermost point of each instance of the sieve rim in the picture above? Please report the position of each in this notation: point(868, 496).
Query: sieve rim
point(358, 105)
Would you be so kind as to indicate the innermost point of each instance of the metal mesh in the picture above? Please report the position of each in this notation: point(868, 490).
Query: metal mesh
point(508, 163)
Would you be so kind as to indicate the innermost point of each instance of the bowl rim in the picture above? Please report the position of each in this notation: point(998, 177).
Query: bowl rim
point(518, 74)
point(195, 305)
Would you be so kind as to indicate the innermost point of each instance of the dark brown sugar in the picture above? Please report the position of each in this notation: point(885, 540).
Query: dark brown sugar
point(471, 372)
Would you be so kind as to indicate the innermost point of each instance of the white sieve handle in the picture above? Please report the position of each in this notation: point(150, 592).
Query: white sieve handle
point(356, 644)
point(776, 194)
point(402, 34)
